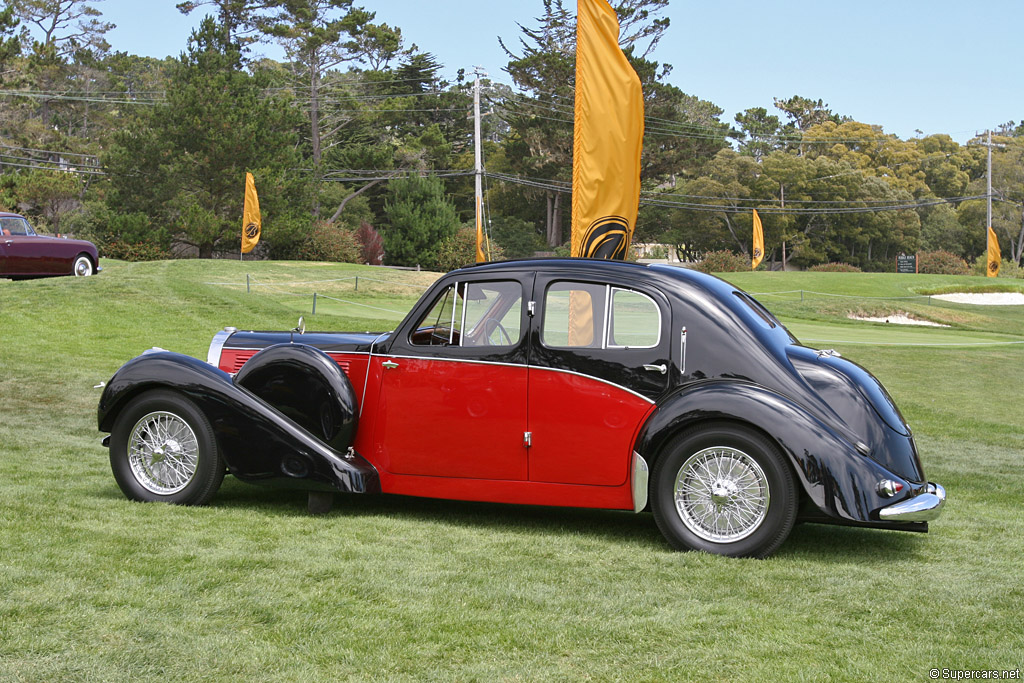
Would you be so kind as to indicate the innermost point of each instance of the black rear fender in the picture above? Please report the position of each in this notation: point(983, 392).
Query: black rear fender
point(837, 478)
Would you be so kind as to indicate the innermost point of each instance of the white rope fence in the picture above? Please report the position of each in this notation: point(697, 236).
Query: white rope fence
point(275, 288)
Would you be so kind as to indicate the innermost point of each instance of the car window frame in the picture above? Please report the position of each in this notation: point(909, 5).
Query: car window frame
point(400, 343)
point(606, 322)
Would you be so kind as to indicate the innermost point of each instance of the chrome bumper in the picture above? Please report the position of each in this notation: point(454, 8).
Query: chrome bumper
point(923, 507)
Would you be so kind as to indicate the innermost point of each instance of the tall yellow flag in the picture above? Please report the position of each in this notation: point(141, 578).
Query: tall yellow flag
point(251, 222)
point(480, 256)
point(994, 257)
point(607, 138)
point(757, 252)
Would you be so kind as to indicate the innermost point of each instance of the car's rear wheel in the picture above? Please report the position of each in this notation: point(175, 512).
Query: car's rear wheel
point(162, 448)
point(82, 266)
point(724, 489)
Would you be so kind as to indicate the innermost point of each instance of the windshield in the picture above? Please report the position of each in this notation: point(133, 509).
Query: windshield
point(15, 225)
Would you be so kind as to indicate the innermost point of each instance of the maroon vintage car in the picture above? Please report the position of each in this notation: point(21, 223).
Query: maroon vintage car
point(25, 254)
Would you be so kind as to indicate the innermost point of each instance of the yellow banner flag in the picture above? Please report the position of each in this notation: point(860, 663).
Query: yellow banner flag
point(480, 256)
point(757, 253)
point(251, 222)
point(607, 138)
point(994, 257)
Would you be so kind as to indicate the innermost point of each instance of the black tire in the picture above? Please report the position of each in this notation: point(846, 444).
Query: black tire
point(162, 449)
point(724, 489)
point(83, 266)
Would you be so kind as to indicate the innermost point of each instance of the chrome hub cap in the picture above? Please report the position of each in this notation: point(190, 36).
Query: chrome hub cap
point(163, 453)
point(721, 494)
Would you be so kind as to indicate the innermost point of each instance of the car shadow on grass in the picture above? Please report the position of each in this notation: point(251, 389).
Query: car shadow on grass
point(851, 545)
point(614, 525)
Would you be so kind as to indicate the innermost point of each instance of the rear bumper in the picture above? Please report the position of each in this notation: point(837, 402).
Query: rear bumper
point(923, 507)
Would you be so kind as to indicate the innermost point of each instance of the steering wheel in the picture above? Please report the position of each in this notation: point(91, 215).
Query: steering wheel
point(492, 325)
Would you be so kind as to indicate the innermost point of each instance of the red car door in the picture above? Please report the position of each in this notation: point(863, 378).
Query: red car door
point(453, 386)
point(599, 360)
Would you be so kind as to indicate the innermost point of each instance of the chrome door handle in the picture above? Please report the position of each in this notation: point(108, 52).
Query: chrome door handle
point(657, 368)
point(389, 364)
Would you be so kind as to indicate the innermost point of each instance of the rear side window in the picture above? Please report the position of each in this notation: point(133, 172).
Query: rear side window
point(584, 315)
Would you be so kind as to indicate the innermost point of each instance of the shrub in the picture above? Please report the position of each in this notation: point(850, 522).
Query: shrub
point(371, 246)
point(940, 263)
point(834, 268)
point(460, 250)
point(1007, 269)
point(723, 261)
point(132, 251)
point(330, 242)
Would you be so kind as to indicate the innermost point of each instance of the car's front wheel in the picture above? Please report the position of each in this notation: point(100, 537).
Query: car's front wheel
point(724, 489)
point(162, 448)
point(82, 266)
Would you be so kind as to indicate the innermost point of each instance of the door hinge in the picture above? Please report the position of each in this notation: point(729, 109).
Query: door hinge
point(531, 308)
point(527, 439)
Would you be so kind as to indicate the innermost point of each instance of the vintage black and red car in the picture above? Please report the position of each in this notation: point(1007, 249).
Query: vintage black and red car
point(24, 254)
point(571, 382)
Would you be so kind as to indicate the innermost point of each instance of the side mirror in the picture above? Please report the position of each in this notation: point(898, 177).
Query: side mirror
point(301, 327)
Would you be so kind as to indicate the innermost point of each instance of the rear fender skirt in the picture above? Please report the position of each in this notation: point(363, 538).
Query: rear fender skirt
point(839, 480)
point(259, 443)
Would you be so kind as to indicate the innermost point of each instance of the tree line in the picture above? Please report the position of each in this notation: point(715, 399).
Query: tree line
point(363, 150)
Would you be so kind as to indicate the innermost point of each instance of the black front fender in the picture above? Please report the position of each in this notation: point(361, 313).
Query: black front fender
point(259, 443)
point(838, 479)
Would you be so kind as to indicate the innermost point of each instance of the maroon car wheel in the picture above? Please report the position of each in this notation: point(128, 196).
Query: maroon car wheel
point(82, 266)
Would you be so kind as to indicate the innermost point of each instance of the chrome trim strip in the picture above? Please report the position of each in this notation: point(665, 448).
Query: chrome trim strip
point(923, 507)
point(529, 367)
point(640, 475)
point(217, 345)
point(369, 364)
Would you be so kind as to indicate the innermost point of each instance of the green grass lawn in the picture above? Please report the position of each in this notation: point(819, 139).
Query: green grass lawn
point(93, 587)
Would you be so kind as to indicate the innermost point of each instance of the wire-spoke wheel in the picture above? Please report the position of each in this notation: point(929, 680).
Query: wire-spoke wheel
point(163, 452)
point(162, 448)
point(724, 489)
point(721, 494)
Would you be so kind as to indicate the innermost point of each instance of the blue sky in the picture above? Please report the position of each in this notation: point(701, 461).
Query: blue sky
point(937, 66)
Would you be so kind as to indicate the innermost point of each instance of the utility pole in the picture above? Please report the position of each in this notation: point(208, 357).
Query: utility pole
point(988, 178)
point(479, 168)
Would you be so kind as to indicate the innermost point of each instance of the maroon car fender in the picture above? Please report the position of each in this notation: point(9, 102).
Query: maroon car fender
point(840, 479)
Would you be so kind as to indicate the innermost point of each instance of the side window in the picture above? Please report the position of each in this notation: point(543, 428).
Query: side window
point(15, 226)
point(574, 315)
point(473, 314)
point(636, 320)
point(493, 314)
point(442, 323)
point(581, 315)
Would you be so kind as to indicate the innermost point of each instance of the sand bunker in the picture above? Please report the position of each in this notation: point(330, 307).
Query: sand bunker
point(984, 298)
point(898, 319)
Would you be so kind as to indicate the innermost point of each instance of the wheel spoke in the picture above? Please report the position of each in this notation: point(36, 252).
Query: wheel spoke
point(721, 494)
point(163, 452)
